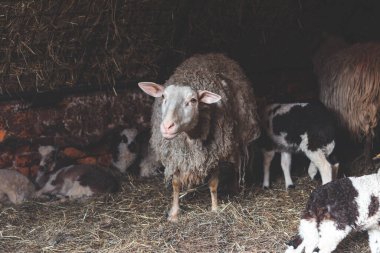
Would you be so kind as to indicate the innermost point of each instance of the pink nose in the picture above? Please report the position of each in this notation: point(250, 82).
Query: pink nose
point(168, 126)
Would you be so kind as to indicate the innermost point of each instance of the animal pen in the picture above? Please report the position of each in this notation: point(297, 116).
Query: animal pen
point(69, 71)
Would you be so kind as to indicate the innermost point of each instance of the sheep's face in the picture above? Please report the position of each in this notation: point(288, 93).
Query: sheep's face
point(179, 106)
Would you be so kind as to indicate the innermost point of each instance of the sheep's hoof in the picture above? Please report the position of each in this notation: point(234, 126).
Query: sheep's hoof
point(291, 186)
point(173, 218)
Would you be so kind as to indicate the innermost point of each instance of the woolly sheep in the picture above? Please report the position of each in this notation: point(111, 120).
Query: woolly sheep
point(306, 128)
point(204, 114)
point(15, 187)
point(336, 209)
point(350, 87)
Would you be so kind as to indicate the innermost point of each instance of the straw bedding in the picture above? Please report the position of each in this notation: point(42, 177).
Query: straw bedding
point(134, 221)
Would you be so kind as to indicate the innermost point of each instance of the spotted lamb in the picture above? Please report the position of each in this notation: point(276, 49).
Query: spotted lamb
point(306, 128)
point(336, 209)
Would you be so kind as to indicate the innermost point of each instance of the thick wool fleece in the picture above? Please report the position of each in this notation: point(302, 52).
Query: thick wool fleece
point(224, 129)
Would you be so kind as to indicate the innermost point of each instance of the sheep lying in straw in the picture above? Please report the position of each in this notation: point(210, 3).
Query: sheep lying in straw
point(14, 186)
point(204, 114)
point(337, 208)
point(350, 87)
point(73, 181)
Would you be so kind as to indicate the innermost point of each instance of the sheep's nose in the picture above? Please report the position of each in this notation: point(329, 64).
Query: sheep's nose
point(168, 125)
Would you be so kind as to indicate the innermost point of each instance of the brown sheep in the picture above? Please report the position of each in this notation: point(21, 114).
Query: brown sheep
point(350, 87)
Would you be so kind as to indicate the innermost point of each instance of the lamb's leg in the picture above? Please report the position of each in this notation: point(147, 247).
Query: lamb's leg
point(307, 238)
point(312, 171)
point(374, 240)
point(330, 236)
point(173, 214)
point(286, 162)
point(213, 185)
point(319, 159)
point(267, 160)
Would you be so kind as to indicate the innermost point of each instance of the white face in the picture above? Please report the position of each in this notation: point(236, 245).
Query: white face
point(179, 107)
point(179, 110)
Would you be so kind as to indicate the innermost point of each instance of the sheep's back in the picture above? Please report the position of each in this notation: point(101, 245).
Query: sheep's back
point(350, 86)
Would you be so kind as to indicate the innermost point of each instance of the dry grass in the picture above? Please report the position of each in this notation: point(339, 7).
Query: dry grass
point(134, 221)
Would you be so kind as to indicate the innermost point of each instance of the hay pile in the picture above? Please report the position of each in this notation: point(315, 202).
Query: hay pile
point(134, 221)
point(101, 44)
point(50, 44)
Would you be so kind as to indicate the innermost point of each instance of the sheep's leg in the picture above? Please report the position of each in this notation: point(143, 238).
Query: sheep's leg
point(319, 159)
point(267, 160)
point(213, 185)
point(312, 171)
point(330, 236)
point(173, 214)
point(286, 162)
point(374, 240)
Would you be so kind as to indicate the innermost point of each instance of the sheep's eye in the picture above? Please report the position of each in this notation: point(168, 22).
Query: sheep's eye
point(193, 100)
point(163, 96)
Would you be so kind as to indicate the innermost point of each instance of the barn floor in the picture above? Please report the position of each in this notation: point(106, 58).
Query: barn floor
point(134, 221)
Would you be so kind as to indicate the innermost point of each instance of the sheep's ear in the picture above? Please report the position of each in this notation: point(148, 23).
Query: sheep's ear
point(378, 172)
point(152, 89)
point(208, 97)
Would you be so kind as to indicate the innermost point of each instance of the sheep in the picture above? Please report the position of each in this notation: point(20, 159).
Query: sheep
point(350, 86)
point(77, 181)
point(336, 209)
point(125, 154)
point(15, 187)
point(204, 114)
point(298, 127)
point(73, 181)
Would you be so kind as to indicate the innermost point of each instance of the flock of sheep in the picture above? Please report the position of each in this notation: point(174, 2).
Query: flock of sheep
point(206, 114)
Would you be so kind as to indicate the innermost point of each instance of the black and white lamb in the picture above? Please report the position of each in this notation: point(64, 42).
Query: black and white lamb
point(73, 181)
point(15, 187)
point(126, 151)
point(336, 209)
point(298, 127)
point(203, 115)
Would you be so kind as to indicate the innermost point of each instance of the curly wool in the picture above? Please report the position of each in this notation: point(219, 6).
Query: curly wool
point(350, 86)
point(225, 129)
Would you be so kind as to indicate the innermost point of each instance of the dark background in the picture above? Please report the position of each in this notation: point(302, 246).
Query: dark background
point(79, 46)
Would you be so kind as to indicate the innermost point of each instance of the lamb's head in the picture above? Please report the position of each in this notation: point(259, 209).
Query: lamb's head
point(47, 164)
point(179, 107)
point(47, 154)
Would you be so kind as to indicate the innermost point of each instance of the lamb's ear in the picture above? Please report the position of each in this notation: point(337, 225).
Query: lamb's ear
point(152, 89)
point(208, 97)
